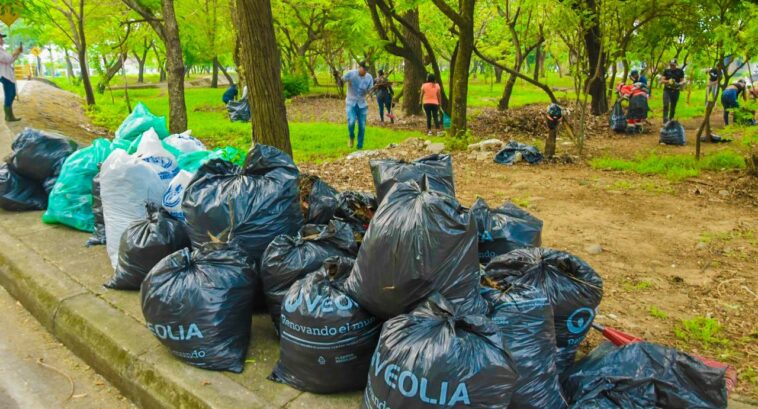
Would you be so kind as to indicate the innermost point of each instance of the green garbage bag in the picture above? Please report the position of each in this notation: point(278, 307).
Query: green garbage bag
point(139, 121)
point(70, 201)
point(191, 161)
point(132, 147)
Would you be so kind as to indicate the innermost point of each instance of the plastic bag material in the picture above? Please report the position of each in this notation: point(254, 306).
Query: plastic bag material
point(18, 193)
point(71, 200)
point(516, 152)
point(98, 234)
point(503, 229)
point(617, 119)
point(139, 121)
point(239, 110)
point(525, 319)
point(145, 243)
point(644, 375)
point(151, 150)
point(288, 259)
point(419, 242)
point(199, 305)
point(255, 203)
point(172, 199)
point(185, 142)
point(438, 356)
point(437, 168)
point(672, 133)
point(356, 209)
point(127, 184)
point(572, 286)
point(327, 339)
point(191, 161)
point(39, 155)
point(318, 200)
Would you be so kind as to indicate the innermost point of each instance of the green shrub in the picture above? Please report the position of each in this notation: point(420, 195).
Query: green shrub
point(294, 85)
point(673, 167)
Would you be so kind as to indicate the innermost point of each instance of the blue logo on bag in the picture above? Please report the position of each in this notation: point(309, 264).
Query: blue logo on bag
point(173, 196)
point(580, 320)
point(164, 163)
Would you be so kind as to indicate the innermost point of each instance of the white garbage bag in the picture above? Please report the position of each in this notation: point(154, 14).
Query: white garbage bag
point(151, 150)
point(127, 185)
point(185, 142)
point(172, 199)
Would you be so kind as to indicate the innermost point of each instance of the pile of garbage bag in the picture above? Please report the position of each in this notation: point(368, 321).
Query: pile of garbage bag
point(672, 133)
point(505, 228)
point(139, 122)
point(18, 193)
point(438, 170)
point(514, 152)
point(318, 200)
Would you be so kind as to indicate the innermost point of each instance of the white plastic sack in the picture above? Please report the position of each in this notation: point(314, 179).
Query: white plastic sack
point(151, 150)
point(185, 142)
point(172, 199)
point(127, 184)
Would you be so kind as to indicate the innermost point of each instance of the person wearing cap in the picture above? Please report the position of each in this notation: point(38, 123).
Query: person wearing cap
point(359, 84)
point(636, 77)
point(729, 98)
point(8, 78)
point(673, 80)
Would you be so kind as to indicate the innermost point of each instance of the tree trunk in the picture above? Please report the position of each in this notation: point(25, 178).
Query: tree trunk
point(613, 82)
point(597, 62)
point(550, 142)
point(459, 88)
point(177, 107)
point(505, 100)
point(214, 75)
point(260, 59)
point(88, 92)
point(498, 75)
point(538, 57)
point(69, 66)
point(140, 71)
point(413, 74)
point(228, 76)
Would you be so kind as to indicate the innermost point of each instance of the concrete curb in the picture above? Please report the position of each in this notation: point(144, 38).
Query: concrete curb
point(81, 320)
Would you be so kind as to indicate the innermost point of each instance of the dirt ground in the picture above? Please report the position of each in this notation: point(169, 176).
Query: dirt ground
point(676, 257)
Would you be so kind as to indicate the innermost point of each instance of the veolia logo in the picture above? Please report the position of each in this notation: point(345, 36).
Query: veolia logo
point(324, 304)
point(580, 320)
point(485, 236)
point(175, 333)
point(173, 196)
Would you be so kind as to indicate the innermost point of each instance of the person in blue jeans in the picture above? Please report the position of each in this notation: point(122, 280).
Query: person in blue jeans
point(384, 92)
point(729, 99)
point(359, 84)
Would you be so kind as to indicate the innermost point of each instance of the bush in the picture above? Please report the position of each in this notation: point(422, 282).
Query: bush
point(294, 85)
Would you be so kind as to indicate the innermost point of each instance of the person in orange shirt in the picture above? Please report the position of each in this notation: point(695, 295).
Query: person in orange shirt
point(431, 97)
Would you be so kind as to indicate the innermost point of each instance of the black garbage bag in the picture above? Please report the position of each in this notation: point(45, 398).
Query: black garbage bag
point(39, 155)
point(514, 150)
point(49, 183)
point(98, 235)
point(327, 339)
point(199, 305)
point(19, 193)
point(290, 258)
point(503, 229)
point(419, 242)
point(356, 209)
point(238, 110)
point(525, 319)
point(254, 204)
point(438, 356)
point(672, 133)
point(617, 119)
point(437, 168)
point(143, 244)
point(643, 375)
point(318, 200)
point(572, 286)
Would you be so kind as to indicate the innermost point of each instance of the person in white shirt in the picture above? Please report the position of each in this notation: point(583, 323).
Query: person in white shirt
point(8, 78)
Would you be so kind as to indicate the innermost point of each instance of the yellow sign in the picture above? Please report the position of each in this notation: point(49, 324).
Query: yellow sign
point(9, 13)
point(36, 51)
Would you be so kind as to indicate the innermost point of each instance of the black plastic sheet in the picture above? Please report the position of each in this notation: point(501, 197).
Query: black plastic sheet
point(145, 243)
point(327, 339)
point(356, 209)
point(290, 258)
point(98, 235)
point(514, 150)
point(438, 169)
point(39, 155)
point(672, 133)
point(617, 119)
point(199, 305)
point(643, 375)
point(18, 193)
point(438, 356)
point(420, 241)
point(503, 229)
point(572, 286)
point(238, 110)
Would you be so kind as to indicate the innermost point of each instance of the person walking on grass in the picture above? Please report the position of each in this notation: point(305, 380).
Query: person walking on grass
point(431, 97)
point(729, 99)
point(8, 78)
point(673, 80)
point(359, 84)
point(384, 92)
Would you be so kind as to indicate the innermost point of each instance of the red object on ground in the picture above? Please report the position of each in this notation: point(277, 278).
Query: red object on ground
point(620, 338)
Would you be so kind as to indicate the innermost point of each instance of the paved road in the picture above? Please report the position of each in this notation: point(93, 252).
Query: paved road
point(37, 372)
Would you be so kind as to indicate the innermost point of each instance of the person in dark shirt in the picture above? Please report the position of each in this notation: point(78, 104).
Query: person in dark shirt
point(729, 98)
point(383, 90)
point(713, 85)
point(673, 81)
point(230, 94)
